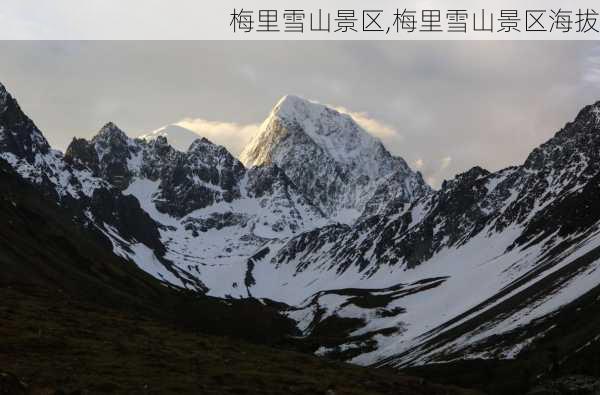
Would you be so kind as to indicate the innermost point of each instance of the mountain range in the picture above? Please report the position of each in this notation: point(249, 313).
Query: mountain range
point(317, 217)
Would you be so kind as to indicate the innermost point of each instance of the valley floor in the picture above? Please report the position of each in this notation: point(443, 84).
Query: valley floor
point(56, 344)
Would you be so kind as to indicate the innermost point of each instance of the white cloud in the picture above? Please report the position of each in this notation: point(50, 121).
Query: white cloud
point(591, 72)
point(233, 136)
point(434, 172)
point(445, 162)
point(373, 126)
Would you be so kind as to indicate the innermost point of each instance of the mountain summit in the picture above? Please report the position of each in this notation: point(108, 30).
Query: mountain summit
point(18, 134)
point(179, 137)
point(331, 159)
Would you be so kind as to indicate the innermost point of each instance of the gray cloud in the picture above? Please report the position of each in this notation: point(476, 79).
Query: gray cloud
point(443, 106)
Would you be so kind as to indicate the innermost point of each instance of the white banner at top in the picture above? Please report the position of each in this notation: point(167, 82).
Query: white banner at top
point(299, 20)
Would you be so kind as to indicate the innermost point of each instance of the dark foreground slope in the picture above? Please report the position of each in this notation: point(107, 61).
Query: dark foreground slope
point(51, 341)
point(41, 247)
point(74, 318)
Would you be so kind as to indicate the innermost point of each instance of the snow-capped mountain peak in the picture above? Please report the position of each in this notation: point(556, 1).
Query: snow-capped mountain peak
point(577, 144)
point(297, 109)
point(334, 132)
point(179, 137)
point(201, 143)
point(110, 131)
point(333, 161)
point(590, 113)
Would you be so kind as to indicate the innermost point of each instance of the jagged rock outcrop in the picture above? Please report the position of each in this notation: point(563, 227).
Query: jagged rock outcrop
point(18, 134)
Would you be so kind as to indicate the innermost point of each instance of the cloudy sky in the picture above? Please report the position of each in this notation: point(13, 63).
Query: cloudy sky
point(443, 106)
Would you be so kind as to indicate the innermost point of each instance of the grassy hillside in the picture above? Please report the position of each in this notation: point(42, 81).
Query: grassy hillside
point(51, 341)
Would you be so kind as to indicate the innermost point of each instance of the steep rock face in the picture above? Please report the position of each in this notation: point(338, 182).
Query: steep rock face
point(82, 154)
point(559, 171)
point(203, 175)
point(206, 174)
point(126, 216)
point(18, 134)
point(115, 151)
point(334, 162)
point(154, 159)
point(27, 150)
point(276, 193)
